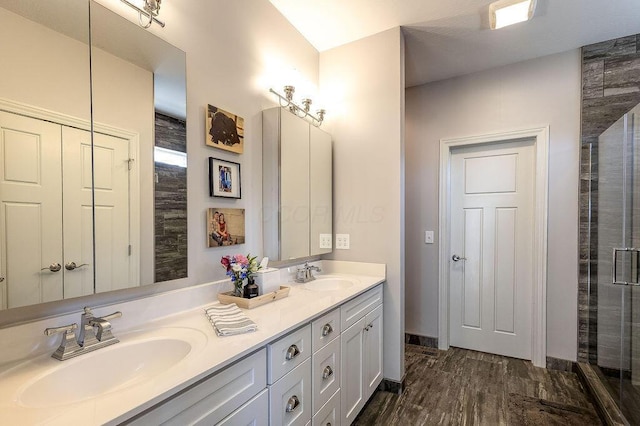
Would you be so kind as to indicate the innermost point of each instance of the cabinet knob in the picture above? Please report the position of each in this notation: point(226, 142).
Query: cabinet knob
point(292, 404)
point(327, 372)
point(326, 330)
point(292, 352)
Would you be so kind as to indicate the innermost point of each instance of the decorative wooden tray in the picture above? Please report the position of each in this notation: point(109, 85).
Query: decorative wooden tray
point(227, 298)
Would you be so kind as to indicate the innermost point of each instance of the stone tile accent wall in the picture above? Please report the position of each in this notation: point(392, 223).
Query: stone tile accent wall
point(610, 88)
point(170, 203)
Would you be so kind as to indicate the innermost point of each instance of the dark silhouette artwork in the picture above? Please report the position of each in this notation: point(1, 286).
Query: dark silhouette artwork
point(224, 130)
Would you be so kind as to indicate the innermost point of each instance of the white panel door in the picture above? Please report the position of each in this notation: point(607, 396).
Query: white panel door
point(114, 266)
point(491, 286)
point(77, 212)
point(31, 200)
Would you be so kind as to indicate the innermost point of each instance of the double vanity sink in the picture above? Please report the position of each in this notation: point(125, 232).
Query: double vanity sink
point(155, 360)
point(140, 356)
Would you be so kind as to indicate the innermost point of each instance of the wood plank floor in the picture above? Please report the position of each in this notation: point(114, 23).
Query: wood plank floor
point(461, 387)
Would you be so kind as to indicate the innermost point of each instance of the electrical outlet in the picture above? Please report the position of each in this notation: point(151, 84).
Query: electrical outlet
point(342, 241)
point(428, 237)
point(325, 241)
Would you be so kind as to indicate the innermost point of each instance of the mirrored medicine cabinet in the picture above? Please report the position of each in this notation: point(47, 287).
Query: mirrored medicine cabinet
point(297, 187)
point(87, 101)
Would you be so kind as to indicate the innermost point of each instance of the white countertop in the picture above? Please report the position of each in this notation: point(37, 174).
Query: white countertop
point(209, 354)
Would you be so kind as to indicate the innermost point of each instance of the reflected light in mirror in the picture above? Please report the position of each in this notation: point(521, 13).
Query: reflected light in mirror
point(170, 157)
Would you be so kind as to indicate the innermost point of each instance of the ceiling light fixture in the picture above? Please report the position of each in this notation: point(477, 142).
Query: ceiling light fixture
point(150, 11)
point(508, 12)
point(301, 111)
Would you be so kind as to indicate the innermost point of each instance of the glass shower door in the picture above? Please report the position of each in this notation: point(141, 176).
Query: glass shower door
point(618, 272)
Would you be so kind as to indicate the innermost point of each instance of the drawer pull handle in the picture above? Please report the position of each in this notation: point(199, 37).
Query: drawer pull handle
point(326, 330)
point(292, 352)
point(328, 372)
point(292, 404)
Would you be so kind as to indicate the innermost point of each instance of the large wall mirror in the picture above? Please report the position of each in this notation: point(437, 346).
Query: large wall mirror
point(82, 212)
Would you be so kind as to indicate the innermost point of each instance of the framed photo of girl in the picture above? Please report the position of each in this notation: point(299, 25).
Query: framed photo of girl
point(224, 179)
point(225, 227)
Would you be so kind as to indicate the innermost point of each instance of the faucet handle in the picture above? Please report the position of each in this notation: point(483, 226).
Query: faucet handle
point(68, 346)
point(62, 329)
point(114, 315)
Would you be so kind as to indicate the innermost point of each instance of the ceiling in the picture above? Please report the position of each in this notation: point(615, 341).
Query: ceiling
point(448, 38)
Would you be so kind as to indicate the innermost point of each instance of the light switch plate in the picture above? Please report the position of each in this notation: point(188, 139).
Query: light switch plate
point(342, 241)
point(325, 241)
point(428, 237)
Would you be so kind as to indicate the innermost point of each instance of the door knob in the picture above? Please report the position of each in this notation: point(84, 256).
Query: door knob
point(457, 258)
point(54, 267)
point(70, 266)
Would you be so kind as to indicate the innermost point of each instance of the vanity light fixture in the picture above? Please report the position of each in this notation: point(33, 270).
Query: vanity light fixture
point(508, 12)
point(150, 11)
point(304, 111)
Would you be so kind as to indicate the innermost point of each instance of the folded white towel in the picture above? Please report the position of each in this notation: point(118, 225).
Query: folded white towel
point(228, 320)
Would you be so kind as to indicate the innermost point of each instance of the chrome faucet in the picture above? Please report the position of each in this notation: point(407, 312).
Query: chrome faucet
point(304, 273)
point(87, 340)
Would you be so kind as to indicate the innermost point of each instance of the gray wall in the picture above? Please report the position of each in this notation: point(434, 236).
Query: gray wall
point(539, 92)
point(365, 80)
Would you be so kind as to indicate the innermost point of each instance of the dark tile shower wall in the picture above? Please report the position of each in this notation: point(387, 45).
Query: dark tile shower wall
point(610, 88)
point(170, 203)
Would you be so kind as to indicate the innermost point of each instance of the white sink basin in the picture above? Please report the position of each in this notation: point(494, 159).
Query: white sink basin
point(109, 369)
point(329, 283)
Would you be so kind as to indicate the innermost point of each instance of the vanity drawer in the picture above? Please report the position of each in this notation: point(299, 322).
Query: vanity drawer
point(325, 329)
point(329, 415)
point(326, 373)
point(290, 397)
point(212, 400)
point(357, 308)
point(254, 412)
point(287, 353)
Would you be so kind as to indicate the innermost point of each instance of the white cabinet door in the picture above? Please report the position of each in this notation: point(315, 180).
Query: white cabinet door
point(288, 352)
point(326, 373)
point(30, 201)
point(329, 415)
point(325, 329)
point(373, 351)
point(351, 389)
point(290, 397)
point(253, 413)
point(294, 187)
point(321, 190)
point(213, 399)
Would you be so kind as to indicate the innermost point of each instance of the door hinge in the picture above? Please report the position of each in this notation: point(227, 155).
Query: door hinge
point(130, 163)
point(129, 249)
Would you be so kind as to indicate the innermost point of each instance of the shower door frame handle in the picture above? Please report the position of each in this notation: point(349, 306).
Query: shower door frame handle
point(614, 274)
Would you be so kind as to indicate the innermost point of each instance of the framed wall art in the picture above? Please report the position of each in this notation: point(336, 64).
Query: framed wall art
point(224, 179)
point(224, 130)
point(225, 227)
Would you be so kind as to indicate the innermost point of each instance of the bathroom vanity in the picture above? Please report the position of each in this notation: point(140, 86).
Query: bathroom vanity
point(315, 359)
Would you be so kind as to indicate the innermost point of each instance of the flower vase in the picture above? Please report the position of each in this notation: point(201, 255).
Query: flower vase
point(238, 290)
